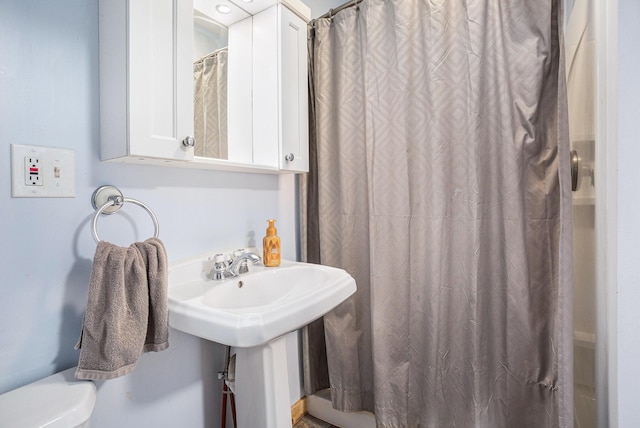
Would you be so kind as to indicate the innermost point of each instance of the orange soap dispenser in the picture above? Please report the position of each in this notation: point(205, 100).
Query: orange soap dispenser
point(271, 246)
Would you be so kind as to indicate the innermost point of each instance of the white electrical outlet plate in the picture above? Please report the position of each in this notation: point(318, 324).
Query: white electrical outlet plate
point(56, 175)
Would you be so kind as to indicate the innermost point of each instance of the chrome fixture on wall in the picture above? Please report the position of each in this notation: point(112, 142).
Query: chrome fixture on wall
point(581, 165)
point(109, 200)
point(575, 167)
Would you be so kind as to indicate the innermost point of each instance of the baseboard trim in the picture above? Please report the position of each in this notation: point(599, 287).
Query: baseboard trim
point(298, 410)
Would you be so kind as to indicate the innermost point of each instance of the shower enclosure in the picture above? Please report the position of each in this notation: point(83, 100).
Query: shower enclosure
point(587, 25)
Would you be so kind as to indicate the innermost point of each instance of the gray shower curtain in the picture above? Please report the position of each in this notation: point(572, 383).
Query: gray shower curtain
point(210, 105)
point(439, 180)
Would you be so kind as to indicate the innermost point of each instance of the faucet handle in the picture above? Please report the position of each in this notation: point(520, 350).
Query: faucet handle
point(221, 263)
point(221, 259)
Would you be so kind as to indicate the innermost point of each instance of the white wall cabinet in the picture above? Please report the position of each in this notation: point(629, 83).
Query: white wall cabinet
point(280, 115)
point(146, 94)
point(146, 87)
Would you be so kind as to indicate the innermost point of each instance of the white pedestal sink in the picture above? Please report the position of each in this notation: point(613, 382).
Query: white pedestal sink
point(262, 385)
point(252, 312)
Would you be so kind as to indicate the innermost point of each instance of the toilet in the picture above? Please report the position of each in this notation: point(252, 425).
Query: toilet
point(57, 401)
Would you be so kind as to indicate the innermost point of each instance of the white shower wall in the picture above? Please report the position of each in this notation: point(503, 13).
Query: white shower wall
point(580, 47)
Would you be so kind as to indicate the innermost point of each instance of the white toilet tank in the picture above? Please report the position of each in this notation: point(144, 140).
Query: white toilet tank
point(57, 401)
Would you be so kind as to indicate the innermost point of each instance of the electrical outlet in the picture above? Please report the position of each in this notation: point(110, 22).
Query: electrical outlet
point(32, 171)
point(42, 172)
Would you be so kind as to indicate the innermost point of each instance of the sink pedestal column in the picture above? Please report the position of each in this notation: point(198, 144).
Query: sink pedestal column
point(262, 386)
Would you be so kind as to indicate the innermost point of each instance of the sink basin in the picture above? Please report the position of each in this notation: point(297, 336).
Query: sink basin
point(254, 308)
point(252, 312)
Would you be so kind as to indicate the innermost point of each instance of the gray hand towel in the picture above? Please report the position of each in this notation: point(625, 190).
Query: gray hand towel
point(126, 309)
point(155, 258)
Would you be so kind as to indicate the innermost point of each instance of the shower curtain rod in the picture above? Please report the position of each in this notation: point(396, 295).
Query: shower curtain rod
point(346, 5)
point(210, 55)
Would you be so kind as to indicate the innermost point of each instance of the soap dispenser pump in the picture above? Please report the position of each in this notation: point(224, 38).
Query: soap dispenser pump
point(271, 246)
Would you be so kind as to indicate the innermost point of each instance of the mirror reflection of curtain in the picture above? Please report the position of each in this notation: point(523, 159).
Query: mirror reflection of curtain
point(440, 181)
point(210, 105)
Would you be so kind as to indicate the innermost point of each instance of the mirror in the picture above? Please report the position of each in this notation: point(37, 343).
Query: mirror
point(210, 66)
point(222, 36)
point(237, 64)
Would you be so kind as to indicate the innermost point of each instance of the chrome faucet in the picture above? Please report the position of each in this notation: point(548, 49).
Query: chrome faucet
point(239, 264)
point(226, 267)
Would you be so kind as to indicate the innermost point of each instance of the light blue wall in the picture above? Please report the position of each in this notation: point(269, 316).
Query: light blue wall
point(49, 96)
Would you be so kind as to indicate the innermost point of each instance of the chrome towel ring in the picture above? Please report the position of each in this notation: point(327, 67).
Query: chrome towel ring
point(109, 200)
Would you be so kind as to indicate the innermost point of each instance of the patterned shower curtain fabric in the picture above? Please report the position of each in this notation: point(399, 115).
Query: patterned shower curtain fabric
point(210, 105)
point(440, 182)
